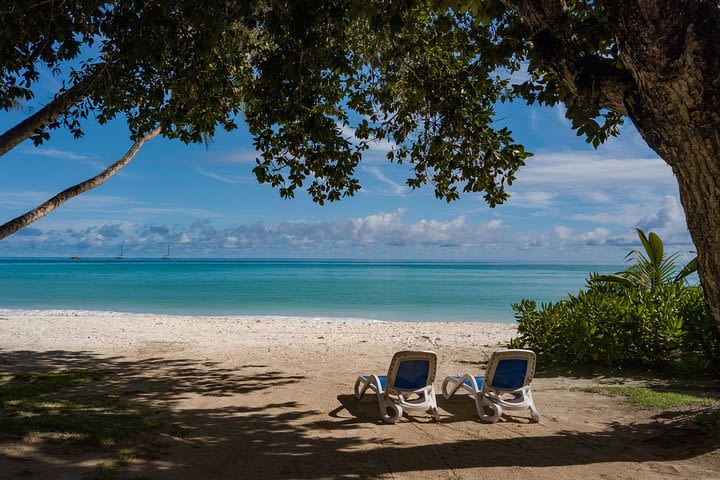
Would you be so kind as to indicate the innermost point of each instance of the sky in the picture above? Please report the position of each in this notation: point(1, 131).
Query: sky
point(569, 204)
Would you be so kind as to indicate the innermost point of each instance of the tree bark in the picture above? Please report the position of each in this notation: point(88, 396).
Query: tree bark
point(37, 213)
point(671, 50)
point(46, 115)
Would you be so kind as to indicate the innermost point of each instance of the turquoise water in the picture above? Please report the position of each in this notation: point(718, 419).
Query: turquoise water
point(415, 291)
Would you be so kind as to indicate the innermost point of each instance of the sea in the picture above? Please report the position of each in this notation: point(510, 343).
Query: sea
point(344, 289)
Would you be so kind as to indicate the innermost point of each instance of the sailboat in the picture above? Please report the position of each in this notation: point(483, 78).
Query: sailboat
point(167, 255)
point(122, 252)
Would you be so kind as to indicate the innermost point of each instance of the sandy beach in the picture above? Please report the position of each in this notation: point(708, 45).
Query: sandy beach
point(272, 398)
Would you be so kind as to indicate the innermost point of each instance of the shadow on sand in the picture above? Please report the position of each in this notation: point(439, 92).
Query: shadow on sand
point(256, 437)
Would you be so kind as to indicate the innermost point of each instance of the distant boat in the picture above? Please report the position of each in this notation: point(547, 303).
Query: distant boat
point(74, 257)
point(122, 252)
point(167, 255)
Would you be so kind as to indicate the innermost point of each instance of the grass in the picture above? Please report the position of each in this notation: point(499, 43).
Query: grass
point(113, 469)
point(650, 398)
point(76, 407)
point(67, 405)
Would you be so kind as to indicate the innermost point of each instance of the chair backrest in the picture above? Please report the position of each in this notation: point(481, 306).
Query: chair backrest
point(510, 370)
point(411, 370)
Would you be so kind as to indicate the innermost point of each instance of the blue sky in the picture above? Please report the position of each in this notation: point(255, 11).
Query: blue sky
point(571, 203)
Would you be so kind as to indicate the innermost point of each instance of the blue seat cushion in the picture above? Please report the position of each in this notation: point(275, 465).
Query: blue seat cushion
point(510, 374)
point(478, 380)
point(412, 374)
point(383, 381)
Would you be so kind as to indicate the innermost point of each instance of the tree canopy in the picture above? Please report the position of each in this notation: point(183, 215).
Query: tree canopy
point(317, 81)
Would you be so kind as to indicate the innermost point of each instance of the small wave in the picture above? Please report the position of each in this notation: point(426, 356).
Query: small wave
point(18, 312)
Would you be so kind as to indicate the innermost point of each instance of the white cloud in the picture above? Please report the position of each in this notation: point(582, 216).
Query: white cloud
point(243, 155)
point(25, 200)
point(371, 235)
point(196, 212)
point(396, 188)
point(562, 232)
point(216, 176)
point(598, 236)
point(668, 222)
point(91, 160)
point(532, 199)
point(596, 196)
point(580, 171)
point(560, 110)
point(387, 229)
point(382, 146)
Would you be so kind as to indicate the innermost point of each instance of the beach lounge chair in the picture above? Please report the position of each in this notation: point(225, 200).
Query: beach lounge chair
point(505, 386)
point(408, 385)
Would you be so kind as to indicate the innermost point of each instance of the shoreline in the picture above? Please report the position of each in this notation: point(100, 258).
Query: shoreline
point(61, 312)
point(208, 335)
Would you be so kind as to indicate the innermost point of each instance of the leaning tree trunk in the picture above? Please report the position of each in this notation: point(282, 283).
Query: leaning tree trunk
point(672, 50)
point(46, 115)
point(40, 211)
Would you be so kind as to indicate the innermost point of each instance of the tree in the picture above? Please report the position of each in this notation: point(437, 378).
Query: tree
point(424, 75)
point(173, 67)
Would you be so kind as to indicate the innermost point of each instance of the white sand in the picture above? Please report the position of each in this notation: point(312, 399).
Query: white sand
point(271, 398)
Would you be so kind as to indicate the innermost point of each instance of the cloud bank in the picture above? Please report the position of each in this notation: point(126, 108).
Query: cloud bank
point(373, 236)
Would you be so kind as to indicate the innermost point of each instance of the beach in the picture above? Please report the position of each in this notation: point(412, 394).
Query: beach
point(271, 397)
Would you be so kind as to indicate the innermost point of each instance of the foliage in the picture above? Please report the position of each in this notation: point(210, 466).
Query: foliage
point(645, 317)
point(651, 397)
point(651, 268)
point(178, 64)
point(317, 82)
point(649, 327)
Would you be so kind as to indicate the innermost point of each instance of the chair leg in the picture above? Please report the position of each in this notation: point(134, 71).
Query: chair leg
point(433, 404)
point(481, 403)
point(395, 411)
point(435, 413)
point(531, 404)
point(359, 392)
point(456, 384)
point(444, 390)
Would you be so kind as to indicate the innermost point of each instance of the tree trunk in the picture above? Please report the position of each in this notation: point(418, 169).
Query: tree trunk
point(671, 50)
point(699, 179)
point(695, 160)
point(49, 113)
point(37, 213)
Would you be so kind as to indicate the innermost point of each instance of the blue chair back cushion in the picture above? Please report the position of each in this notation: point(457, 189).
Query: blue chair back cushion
point(510, 374)
point(412, 374)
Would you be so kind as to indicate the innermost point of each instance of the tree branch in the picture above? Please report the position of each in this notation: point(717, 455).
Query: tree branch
point(590, 80)
point(37, 121)
point(37, 213)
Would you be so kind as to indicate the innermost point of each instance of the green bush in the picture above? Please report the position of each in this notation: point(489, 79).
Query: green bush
point(616, 326)
point(645, 315)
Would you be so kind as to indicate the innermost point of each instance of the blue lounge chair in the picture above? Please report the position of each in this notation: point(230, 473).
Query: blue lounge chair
point(505, 386)
point(411, 374)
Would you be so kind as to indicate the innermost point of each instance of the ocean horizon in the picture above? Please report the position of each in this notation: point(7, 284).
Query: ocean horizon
point(399, 290)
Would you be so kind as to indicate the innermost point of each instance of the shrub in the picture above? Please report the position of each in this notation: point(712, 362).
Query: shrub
point(644, 315)
point(666, 325)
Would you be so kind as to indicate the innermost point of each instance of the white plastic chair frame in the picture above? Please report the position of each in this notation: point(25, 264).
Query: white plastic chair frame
point(489, 396)
point(395, 399)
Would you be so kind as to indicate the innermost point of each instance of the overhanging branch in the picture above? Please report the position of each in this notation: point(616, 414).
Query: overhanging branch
point(40, 211)
point(49, 113)
point(590, 80)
